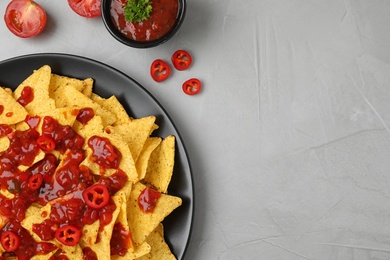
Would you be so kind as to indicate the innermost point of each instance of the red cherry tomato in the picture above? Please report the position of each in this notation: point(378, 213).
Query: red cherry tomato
point(181, 59)
point(46, 143)
point(35, 181)
point(159, 70)
point(25, 18)
point(96, 196)
point(86, 8)
point(192, 86)
point(68, 235)
point(10, 241)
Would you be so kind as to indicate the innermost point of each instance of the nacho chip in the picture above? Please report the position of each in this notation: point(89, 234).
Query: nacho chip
point(84, 86)
point(160, 166)
point(11, 112)
point(134, 133)
point(159, 248)
point(88, 87)
point(4, 143)
point(113, 105)
point(39, 82)
point(142, 224)
point(57, 81)
point(143, 159)
point(8, 90)
point(69, 96)
point(64, 116)
point(90, 234)
point(139, 252)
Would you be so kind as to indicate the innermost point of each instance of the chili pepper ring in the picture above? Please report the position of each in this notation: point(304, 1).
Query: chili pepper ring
point(159, 70)
point(192, 86)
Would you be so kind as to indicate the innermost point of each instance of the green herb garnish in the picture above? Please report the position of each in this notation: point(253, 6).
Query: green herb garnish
point(137, 10)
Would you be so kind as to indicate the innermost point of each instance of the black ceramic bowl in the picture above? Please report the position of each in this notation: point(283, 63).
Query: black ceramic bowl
point(114, 31)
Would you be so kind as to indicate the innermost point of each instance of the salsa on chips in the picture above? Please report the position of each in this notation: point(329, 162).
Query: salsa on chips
point(79, 177)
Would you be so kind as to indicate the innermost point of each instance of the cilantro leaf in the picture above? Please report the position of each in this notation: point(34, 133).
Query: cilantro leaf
point(137, 10)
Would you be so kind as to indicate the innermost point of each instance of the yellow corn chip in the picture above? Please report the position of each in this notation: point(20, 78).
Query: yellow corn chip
point(39, 81)
point(88, 87)
point(160, 166)
point(141, 223)
point(4, 143)
point(90, 234)
point(143, 159)
point(134, 133)
point(140, 251)
point(69, 97)
point(11, 112)
point(159, 248)
point(57, 81)
point(113, 105)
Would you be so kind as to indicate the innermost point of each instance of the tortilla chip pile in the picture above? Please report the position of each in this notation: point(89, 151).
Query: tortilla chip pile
point(147, 161)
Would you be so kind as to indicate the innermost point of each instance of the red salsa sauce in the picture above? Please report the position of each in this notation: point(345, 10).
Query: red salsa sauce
point(89, 254)
point(27, 96)
point(104, 153)
point(120, 241)
point(161, 20)
point(84, 115)
point(32, 121)
point(148, 199)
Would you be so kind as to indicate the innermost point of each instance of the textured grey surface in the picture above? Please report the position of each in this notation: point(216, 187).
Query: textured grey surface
point(289, 139)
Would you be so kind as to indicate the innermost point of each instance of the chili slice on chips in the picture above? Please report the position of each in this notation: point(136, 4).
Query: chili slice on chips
point(68, 235)
point(96, 196)
point(10, 241)
point(35, 181)
point(46, 143)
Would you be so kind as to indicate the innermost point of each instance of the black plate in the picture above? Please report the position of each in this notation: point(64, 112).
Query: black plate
point(138, 102)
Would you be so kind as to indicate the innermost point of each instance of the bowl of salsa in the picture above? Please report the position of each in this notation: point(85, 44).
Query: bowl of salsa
point(143, 23)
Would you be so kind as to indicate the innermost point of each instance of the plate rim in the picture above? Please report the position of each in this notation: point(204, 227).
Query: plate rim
point(95, 62)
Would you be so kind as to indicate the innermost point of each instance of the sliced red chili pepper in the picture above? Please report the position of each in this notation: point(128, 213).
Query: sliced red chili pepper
point(35, 181)
point(159, 70)
point(10, 241)
point(192, 86)
point(181, 59)
point(96, 196)
point(46, 143)
point(68, 235)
